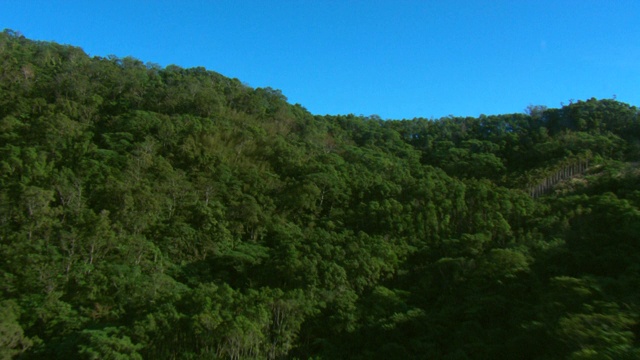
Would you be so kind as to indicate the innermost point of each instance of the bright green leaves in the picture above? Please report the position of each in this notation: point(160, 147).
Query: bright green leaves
point(264, 324)
point(598, 335)
point(500, 264)
point(12, 339)
point(107, 343)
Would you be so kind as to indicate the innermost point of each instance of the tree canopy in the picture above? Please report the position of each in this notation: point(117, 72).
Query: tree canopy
point(171, 213)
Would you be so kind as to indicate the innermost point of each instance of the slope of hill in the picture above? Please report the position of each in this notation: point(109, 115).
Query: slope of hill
point(170, 213)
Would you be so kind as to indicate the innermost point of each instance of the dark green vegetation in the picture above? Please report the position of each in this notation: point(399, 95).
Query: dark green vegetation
point(170, 213)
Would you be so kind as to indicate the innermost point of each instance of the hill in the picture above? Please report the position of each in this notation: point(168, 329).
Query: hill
point(170, 213)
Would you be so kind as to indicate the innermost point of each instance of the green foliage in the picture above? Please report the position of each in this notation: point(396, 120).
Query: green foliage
point(107, 343)
point(12, 338)
point(170, 213)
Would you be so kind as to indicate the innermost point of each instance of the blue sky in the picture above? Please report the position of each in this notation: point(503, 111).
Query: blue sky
point(396, 59)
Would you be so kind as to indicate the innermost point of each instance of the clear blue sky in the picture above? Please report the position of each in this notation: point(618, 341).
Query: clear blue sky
point(397, 59)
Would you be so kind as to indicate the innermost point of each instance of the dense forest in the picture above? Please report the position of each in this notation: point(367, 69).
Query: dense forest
point(152, 212)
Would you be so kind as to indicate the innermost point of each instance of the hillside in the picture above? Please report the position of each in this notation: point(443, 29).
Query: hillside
point(171, 213)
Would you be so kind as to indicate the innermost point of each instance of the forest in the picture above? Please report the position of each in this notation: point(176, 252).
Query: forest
point(152, 212)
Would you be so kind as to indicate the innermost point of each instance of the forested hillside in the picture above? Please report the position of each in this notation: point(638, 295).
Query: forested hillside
point(171, 213)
